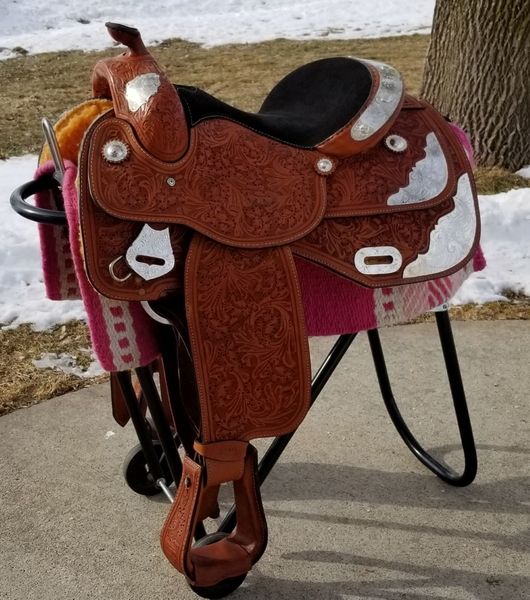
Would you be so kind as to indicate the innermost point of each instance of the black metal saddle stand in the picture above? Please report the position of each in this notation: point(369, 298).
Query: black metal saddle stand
point(161, 463)
point(169, 443)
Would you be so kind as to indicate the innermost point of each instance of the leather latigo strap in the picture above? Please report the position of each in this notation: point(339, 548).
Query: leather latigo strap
point(233, 556)
point(120, 412)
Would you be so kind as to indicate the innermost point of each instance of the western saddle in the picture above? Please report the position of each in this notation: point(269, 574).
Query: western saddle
point(199, 207)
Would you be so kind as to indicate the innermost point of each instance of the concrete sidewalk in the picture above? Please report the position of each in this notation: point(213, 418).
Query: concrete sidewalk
point(351, 513)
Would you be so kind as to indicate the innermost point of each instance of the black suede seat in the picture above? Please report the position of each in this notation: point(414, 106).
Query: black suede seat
point(303, 109)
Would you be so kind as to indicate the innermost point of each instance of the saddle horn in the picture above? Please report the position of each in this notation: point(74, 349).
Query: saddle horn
point(142, 96)
point(127, 36)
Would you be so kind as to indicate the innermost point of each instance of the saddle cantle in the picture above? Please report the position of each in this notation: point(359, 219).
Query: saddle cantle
point(182, 194)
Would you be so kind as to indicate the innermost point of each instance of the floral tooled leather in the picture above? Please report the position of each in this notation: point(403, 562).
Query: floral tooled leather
point(335, 241)
point(107, 238)
point(362, 184)
point(159, 122)
point(248, 340)
point(358, 215)
point(235, 186)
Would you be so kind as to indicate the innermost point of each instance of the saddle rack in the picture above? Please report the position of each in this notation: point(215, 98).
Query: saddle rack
point(154, 464)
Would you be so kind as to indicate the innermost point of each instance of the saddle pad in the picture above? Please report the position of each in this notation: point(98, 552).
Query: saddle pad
point(123, 336)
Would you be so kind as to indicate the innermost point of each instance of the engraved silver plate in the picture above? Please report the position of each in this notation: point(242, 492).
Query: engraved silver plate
point(452, 237)
point(140, 89)
point(427, 178)
point(378, 252)
point(383, 105)
point(151, 244)
point(115, 151)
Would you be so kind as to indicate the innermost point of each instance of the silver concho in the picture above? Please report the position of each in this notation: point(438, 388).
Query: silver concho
point(115, 151)
point(386, 259)
point(383, 105)
point(396, 143)
point(325, 165)
point(151, 244)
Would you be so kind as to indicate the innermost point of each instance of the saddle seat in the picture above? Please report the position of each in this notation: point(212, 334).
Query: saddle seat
point(299, 110)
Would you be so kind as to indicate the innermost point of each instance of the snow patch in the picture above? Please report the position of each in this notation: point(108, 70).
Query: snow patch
point(66, 363)
point(505, 240)
point(524, 172)
point(79, 25)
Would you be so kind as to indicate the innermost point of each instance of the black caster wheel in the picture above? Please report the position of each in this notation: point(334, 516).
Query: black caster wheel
point(223, 588)
point(136, 471)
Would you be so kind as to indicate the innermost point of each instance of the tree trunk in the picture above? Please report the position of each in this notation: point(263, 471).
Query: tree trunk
point(477, 73)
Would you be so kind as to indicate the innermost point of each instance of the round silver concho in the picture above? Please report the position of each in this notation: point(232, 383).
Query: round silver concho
point(396, 143)
point(324, 165)
point(115, 151)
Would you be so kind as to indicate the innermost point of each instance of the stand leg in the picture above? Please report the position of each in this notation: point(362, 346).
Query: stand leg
point(459, 401)
point(141, 427)
point(163, 431)
point(162, 427)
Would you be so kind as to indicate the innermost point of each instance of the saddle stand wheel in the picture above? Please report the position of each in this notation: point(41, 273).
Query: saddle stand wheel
point(155, 463)
point(223, 588)
point(138, 475)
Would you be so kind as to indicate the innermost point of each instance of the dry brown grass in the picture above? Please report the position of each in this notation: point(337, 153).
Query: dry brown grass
point(47, 84)
point(516, 310)
point(493, 180)
point(22, 383)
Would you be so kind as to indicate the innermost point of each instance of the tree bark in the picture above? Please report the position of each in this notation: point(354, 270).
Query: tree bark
point(477, 73)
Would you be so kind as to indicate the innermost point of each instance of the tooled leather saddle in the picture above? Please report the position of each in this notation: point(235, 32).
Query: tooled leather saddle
point(183, 196)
